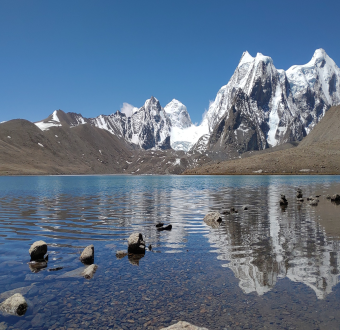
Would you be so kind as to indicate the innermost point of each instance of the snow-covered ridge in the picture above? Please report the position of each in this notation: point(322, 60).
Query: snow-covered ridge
point(285, 105)
point(51, 121)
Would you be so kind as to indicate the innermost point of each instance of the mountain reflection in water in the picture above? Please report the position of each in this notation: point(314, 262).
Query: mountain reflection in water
point(268, 242)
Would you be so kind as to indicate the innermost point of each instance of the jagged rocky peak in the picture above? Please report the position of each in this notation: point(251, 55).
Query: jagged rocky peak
point(284, 105)
point(178, 114)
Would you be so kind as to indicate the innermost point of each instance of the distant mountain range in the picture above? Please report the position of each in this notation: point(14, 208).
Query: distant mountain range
point(260, 107)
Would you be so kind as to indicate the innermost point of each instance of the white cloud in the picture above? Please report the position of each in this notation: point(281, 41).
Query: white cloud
point(128, 109)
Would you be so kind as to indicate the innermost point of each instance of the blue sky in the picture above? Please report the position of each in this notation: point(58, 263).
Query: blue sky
point(91, 56)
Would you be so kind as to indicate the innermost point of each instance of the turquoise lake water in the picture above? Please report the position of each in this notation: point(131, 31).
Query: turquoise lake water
point(262, 268)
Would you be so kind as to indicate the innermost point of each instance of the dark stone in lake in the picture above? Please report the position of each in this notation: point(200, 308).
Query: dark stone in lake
point(160, 224)
point(168, 227)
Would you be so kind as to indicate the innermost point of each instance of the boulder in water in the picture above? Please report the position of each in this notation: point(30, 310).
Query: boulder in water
point(14, 305)
point(168, 227)
point(213, 219)
point(87, 256)
point(136, 243)
point(37, 250)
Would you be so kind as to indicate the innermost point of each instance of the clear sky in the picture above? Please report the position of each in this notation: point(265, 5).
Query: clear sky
point(91, 56)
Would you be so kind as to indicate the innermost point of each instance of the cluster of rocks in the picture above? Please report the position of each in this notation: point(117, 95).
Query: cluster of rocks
point(313, 201)
point(16, 304)
point(335, 198)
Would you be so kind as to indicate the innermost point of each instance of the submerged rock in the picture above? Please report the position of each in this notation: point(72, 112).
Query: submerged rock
point(87, 256)
point(37, 250)
point(14, 305)
point(136, 243)
point(160, 224)
point(121, 254)
point(213, 219)
point(182, 325)
point(89, 271)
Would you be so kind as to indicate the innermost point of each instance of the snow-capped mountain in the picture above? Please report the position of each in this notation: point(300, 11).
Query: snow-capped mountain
point(260, 107)
point(283, 105)
point(184, 134)
point(148, 127)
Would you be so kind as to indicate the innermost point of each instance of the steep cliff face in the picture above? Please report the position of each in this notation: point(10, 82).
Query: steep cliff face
point(283, 105)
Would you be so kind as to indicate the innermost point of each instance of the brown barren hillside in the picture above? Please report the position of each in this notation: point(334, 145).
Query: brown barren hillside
point(317, 153)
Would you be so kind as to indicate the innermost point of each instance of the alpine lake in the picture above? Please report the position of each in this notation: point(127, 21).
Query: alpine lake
point(266, 267)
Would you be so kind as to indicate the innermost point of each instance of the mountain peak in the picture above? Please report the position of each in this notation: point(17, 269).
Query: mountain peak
point(245, 58)
point(262, 58)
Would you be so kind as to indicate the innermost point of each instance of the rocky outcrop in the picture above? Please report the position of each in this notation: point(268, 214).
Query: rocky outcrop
point(14, 305)
point(87, 256)
point(136, 244)
point(38, 250)
point(182, 325)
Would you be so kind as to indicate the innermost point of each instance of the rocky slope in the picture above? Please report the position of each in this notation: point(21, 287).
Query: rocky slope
point(317, 153)
point(66, 147)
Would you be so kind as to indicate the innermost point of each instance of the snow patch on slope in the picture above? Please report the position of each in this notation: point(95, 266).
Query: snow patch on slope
point(52, 121)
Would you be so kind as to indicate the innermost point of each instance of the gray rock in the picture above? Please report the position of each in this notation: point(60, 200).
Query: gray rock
point(136, 243)
point(182, 325)
point(300, 199)
point(213, 219)
point(89, 271)
point(314, 202)
point(328, 197)
point(14, 305)
point(87, 256)
point(245, 207)
point(335, 198)
point(38, 250)
point(121, 254)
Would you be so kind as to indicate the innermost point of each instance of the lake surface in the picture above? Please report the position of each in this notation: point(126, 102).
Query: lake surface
point(262, 268)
